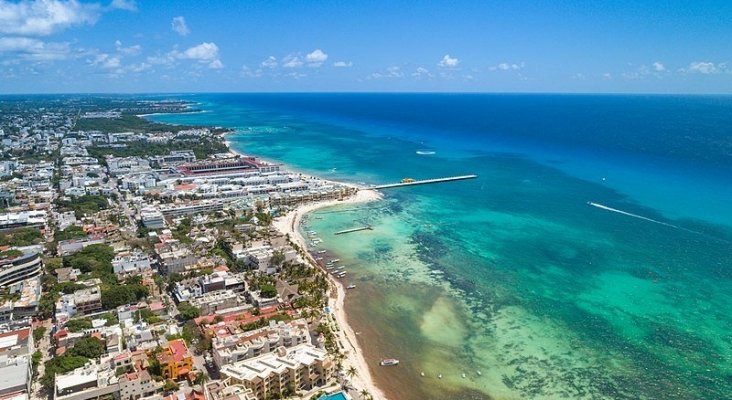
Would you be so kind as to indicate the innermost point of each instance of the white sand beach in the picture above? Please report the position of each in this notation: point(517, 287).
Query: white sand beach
point(288, 224)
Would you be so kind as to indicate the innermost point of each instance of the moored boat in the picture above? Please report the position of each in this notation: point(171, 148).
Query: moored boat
point(351, 286)
point(387, 362)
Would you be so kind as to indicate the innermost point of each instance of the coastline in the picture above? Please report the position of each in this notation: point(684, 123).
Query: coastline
point(288, 225)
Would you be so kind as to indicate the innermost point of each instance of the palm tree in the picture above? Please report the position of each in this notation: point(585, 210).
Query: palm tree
point(351, 371)
point(365, 394)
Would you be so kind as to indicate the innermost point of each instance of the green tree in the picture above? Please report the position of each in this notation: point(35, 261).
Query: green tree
point(89, 347)
point(38, 333)
point(187, 311)
point(268, 291)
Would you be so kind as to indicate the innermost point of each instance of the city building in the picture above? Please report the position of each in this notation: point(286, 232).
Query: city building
point(152, 218)
point(131, 263)
point(211, 302)
point(302, 367)
point(11, 221)
point(228, 348)
point(20, 263)
point(93, 381)
point(176, 361)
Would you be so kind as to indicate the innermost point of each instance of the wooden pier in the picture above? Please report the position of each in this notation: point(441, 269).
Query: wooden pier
point(423, 182)
point(362, 228)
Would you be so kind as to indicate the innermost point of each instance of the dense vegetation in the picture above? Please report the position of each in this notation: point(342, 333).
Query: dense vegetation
point(83, 205)
point(125, 123)
point(21, 237)
point(201, 147)
point(84, 350)
point(72, 232)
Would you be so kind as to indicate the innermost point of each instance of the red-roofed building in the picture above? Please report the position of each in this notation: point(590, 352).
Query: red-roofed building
point(176, 361)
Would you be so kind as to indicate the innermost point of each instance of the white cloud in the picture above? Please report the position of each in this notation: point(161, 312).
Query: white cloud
point(269, 62)
point(128, 51)
point(391, 72)
point(106, 61)
point(179, 25)
point(127, 5)
point(658, 67)
point(422, 72)
point(607, 76)
point(342, 64)
point(505, 66)
point(204, 53)
point(291, 61)
point(34, 49)
point(706, 68)
point(448, 62)
point(316, 58)
point(44, 17)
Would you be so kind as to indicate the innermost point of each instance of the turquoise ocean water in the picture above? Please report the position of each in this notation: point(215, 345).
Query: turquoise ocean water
point(513, 279)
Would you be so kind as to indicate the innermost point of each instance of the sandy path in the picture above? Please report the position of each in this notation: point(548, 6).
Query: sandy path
point(346, 336)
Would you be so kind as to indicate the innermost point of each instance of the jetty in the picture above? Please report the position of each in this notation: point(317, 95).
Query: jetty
point(411, 182)
point(362, 228)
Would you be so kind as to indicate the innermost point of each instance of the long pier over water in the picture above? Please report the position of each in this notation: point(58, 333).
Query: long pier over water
point(423, 182)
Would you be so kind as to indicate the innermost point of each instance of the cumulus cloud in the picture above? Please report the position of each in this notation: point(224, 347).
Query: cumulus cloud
point(204, 53)
point(128, 51)
point(342, 64)
point(34, 49)
point(292, 61)
point(422, 72)
point(179, 26)
point(658, 67)
point(269, 62)
point(106, 61)
point(127, 5)
point(316, 58)
point(706, 68)
point(391, 73)
point(45, 17)
point(448, 62)
point(505, 66)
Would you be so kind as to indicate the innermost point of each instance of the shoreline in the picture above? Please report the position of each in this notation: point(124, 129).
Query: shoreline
point(346, 336)
point(288, 224)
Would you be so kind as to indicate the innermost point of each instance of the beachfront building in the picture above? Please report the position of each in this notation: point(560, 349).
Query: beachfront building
point(230, 348)
point(301, 367)
point(176, 361)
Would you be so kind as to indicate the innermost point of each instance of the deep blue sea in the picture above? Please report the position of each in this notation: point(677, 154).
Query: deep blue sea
point(514, 279)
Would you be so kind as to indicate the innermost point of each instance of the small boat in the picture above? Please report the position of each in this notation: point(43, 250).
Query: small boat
point(463, 375)
point(351, 286)
point(387, 362)
point(319, 258)
point(479, 373)
point(439, 376)
point(421, 373)
point(335, 260)
point(322, 251)
point(341, 274)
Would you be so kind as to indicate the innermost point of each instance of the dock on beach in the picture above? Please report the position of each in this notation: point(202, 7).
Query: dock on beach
point(362, 228)
point(423, 182)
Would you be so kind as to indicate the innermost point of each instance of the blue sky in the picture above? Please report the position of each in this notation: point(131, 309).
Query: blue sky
point(49, 46)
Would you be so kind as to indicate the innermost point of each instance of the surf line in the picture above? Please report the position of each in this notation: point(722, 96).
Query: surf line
point(615, 210)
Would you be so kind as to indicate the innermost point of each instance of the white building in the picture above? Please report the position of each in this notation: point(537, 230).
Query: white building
point(302, 367)
point(131, 263)
point(245, 345)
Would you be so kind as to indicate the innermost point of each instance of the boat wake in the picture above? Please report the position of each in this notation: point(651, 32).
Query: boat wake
point(615, 210)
